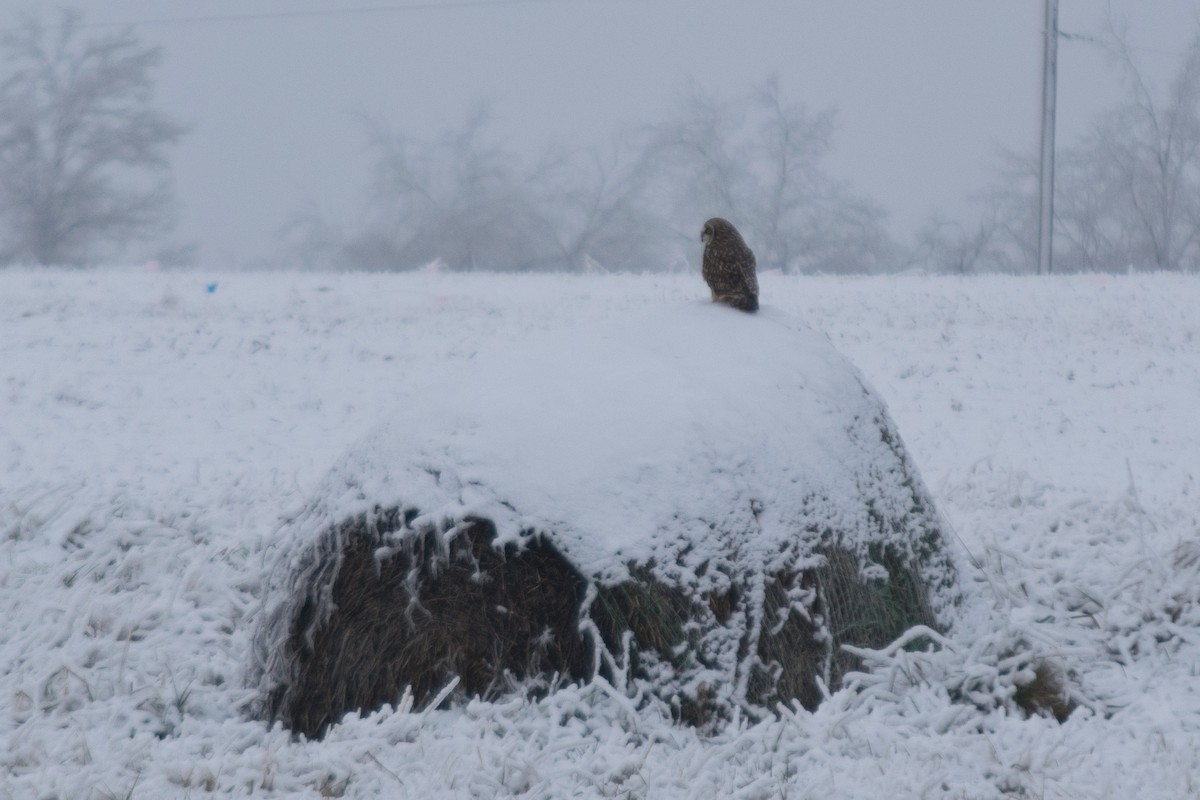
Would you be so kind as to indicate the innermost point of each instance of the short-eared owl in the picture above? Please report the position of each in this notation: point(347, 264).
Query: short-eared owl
point(728, 266)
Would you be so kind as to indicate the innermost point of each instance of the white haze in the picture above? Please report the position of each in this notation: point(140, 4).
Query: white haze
point(927, 91)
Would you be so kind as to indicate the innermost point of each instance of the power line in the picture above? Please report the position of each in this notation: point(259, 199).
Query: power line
point(261, 16)
point(1080, 37)
point(1105, 44)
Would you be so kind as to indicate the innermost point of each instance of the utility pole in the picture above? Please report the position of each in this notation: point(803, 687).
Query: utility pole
point(1049, 94)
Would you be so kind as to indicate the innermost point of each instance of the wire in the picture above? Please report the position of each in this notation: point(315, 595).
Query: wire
point(388, 8)
point(1084, 38)
point(1080, 37)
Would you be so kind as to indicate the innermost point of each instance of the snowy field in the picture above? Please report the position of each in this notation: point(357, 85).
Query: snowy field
point(157, 429)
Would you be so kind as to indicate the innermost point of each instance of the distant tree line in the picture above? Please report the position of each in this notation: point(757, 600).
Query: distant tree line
point(85, 172)
point(636, 204)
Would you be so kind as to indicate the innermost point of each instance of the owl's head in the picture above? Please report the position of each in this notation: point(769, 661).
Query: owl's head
point(715, 227)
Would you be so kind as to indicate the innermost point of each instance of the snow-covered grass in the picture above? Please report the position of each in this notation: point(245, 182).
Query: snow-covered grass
point(155, 435)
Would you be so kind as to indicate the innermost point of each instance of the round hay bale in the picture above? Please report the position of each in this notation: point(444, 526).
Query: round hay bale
point(418, 608)
point(697, 505)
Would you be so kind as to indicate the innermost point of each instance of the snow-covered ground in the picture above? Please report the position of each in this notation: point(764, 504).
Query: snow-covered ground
point(156, 429)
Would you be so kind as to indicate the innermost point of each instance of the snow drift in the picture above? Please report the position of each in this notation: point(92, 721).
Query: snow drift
point(710, 505)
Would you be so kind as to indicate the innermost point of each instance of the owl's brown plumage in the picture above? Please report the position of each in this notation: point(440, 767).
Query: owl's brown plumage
point(728, 266)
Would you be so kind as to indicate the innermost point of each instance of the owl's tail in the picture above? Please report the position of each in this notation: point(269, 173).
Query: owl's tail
point(744, 302)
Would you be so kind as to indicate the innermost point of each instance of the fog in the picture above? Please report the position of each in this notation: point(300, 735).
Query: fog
point(927, 92)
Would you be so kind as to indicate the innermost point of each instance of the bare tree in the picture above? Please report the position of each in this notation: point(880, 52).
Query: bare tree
point(83, 152)
point(460, 199)
point(1147, 156)
point(1091, 226)
point(466, 202)
point(1126, 195)
point(601, 204)
point(759, 160)
point(946, 245)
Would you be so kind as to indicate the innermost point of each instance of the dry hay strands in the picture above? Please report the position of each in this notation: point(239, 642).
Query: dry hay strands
point(379, 606)
point(418, 607)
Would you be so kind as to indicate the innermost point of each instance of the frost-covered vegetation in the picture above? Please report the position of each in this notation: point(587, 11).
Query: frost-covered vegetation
point(158, 429)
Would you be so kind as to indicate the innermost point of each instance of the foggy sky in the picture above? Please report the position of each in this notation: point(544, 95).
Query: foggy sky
point(927, 91)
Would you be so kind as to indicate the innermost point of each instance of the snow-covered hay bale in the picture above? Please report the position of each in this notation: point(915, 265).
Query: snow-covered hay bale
point(438, 608)
point(697, 505)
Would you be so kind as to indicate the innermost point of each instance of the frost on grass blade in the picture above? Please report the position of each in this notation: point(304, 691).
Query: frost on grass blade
point(697, 507)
